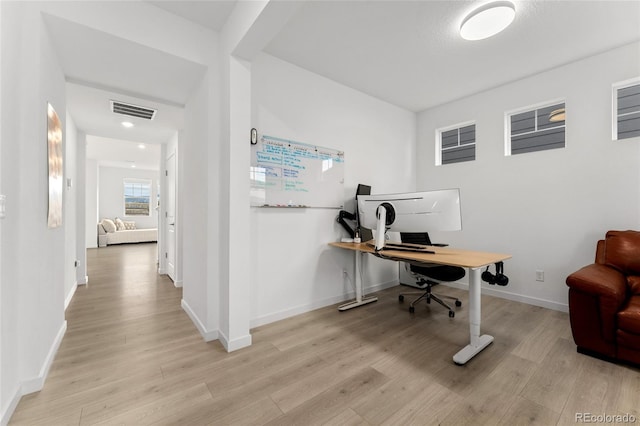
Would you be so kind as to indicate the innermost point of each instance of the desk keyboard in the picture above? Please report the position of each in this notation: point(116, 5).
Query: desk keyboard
point(415, 248)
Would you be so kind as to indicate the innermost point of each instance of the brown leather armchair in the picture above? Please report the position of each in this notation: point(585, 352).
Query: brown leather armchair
point(604, 299)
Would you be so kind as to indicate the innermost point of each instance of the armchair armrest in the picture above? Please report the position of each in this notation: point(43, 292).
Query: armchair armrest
point(596, 294)
point(602, 281)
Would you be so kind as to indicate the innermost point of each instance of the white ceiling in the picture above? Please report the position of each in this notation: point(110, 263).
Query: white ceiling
point(408, 53)
point(211, 14)
point(123, 153)
point(90, 55)
point(90, 109)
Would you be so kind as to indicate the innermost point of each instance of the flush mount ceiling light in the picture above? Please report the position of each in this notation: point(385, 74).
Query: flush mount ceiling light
point(487, 20)
point(127, 124)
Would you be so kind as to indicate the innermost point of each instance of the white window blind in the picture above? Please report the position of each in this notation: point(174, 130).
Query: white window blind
point(456, 144)
point(536, 129)
point(626, 120)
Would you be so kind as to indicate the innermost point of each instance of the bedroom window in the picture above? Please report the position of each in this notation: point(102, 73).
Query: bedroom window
point(626, 109)
point(137, 197)
point(535, 128)
point(456, 144)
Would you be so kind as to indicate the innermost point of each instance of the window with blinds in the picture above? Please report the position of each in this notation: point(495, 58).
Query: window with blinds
point(626, 110)
point(457, 144)
point(536, 129)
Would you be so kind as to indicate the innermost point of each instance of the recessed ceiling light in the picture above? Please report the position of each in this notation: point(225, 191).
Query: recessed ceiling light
point(133, 165)
point(142, 146)
point(487, 20)
point(127, 124)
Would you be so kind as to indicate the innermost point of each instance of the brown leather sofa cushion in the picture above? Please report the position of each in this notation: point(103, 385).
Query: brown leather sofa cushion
point(633, 282)
point(629, 342)
point(629, 317)
point(622, 251)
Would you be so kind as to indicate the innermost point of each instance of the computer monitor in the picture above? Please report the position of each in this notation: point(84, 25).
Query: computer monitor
point(410, 212)
point(342, 215)
point(362, 190)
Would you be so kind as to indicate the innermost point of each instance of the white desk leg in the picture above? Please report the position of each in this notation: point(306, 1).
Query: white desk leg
point(360, 299)
point(477, 342)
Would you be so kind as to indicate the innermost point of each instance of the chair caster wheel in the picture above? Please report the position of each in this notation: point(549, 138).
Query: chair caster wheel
point(411, 309)
point(458, 303)
point(452, 314)
point(401, 298)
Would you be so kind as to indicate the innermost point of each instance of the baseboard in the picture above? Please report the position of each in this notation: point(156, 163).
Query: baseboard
point(229, 345)
point(85, 282)
point(235, 344)
point(11, 407)
point(379, 287)
point(207, 335)
point(529, 300)
point(177, 284)
point(301, 309)
point(70, 295)
point(35, 384)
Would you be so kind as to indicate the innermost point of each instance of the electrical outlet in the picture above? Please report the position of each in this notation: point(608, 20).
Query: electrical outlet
point(540, 275)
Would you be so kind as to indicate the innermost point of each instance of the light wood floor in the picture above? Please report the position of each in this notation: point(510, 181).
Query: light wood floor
point(132, 356)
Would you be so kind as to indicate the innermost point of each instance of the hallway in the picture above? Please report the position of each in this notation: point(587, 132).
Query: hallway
point(120, 330)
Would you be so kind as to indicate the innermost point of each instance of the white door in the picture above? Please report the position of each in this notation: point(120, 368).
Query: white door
point(170, 214)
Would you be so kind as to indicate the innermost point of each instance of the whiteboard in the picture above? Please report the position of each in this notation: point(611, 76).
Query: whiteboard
point(285, 173)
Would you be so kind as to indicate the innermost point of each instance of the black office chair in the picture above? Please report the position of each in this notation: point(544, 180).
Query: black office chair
point(428, 276)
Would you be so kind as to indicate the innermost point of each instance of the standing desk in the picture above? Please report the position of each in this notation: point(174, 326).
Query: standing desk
point(472, 260)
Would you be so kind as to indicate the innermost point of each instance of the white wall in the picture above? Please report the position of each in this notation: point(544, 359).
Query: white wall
point(293, 270)
point(2, 397)
point(200, 218)
point(111, 187)
point(91, 202)
point(70, 165)
point(32, 254)
point(547, 208)
point(81, 202)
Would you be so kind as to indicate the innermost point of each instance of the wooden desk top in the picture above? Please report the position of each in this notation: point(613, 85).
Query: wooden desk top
point(442, 256)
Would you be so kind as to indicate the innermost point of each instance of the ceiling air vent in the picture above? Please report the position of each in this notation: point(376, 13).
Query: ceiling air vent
point(132, 110)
